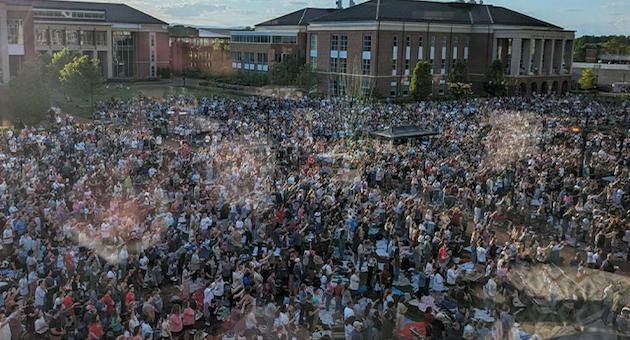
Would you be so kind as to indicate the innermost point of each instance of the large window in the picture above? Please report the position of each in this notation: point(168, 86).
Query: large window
point(41, 34)
point(420, 49)
point(72, 37)
point(343, 65)
point(101, 38)
point(343, 43)
point(87, 37)
point(367, 42)
point(124, 54)
point(334, 42)
point(313, 42)
point(333, 64)
point(15, 29)
point(366, 66)
point(57, 37)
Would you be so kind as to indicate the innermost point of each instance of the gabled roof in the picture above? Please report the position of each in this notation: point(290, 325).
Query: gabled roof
point(431, 11)
point(300, 17)
point(119, 13)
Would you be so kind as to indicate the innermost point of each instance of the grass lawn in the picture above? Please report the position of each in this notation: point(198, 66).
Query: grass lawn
point(81, 106)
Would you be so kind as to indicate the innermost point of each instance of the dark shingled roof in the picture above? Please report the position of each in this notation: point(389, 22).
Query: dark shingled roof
point(431, 11)
point(119, 13)
point(300, 17)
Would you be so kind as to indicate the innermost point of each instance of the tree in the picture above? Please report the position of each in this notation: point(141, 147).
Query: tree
point(306, 78)
point(82, 77)
point(58, 61)
point(29, 93)
point(496, 83)
point(588, 80)
point(286, 71)
point(421, 82)
point(457, 81)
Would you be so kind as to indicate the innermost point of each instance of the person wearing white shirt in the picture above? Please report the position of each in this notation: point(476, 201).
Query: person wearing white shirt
point(354, 283)
point(348, 311)
point(490, 290)
point(438, 283)
point(481, 254)
point(451, 275)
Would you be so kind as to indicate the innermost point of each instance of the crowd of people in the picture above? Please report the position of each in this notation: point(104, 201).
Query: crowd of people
point(286, 219)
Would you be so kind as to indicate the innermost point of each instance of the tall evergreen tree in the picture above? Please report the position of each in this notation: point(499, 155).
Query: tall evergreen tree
point(421, 82)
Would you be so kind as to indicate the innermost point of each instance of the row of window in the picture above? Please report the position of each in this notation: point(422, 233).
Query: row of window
point(263, 39)
point(54, 14)
point(45, 37)
point(248, 57)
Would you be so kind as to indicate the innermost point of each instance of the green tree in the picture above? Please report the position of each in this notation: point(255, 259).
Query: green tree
point(286, 72)
point(496, 84)
point(58, 61)
point(306, 78)
point(421, 82)
point(29, 93)
point(82, 77)
point(588, 80)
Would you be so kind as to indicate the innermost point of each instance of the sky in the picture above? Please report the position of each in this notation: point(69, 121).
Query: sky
point(586, 17)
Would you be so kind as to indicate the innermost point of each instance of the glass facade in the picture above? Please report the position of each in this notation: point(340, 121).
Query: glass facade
point(124, 54)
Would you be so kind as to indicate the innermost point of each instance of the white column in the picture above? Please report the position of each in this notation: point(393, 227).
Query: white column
point(549, 70)
point(538, 56)
point(560, 68)
point(4, 45)
point(569, 58)
point(494, 49)
point(526, 58)
point(516, 56)
point(110, 59)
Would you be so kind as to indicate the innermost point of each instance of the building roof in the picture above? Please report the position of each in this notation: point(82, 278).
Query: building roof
point(114, 12)
point(300, 17)
point(403, 132)
point(431, 11)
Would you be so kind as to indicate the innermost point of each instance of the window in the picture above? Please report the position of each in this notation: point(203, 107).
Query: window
point(314, 63)
point(394, 66)
point(343, 65)
point(366, 66)
point(365, 87)
point(65, 14)
point(432, 52)
point(334, 42)
point(408, 42)
point(420, 49)
point(407, 67)
point(342, 87)
point(334, 87)
point(395, 41)
point(72, 37)
point(344, 43)
point(333, 64)
point(367, 42)
point(57, 37)
point(313, 42)
point(41, 35)
point(262, 59)
point(15, 29)
point(281, 39)
point(87, 37)
point(443, 55)
point(466, 48)
point(100, 38)
point(455, 50)
point(123, 53)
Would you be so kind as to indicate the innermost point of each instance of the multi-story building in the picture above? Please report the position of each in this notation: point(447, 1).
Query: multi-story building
point(376, 44)
point(272, 41)
point(129, 44)
point(200, 49)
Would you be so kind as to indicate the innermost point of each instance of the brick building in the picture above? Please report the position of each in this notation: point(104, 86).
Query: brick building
point(200, 49)
point(373, 47)
point(272, 41)
point(130, 44)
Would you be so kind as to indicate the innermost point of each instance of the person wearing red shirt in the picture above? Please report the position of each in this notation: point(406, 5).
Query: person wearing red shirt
point(130, 297)
point(95, 329)
point(175, 322)
point(188, 317)
point(109, 302)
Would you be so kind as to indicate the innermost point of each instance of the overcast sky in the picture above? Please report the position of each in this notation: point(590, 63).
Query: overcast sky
point(584, 16)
